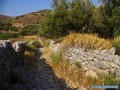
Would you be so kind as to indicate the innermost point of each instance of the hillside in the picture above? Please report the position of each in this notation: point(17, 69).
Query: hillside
point(4, 18)
point(24, 20)
point(29, 19)
point(26, 24)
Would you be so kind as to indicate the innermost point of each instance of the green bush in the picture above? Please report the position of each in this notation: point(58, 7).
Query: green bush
point(30, 48)
point(13, 28)
point(46, 42)
point(56, 58)
point(117, 46)
point(8, 35)
point(66, 17)
point(29, 30)
point(37, 44)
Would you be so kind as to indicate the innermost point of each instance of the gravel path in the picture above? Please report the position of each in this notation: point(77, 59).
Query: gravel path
point(39, 76)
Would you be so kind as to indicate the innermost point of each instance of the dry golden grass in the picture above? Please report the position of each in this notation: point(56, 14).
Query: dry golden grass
point(117, 39)
point(24, 38)
point(87, 41)
point(28, 54)
point(17, 39)
point(30, 37)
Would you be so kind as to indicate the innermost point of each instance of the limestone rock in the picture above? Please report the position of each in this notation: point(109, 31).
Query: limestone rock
point(19, 46)
point(117, 61)
point(112, 51)
point(96, 51)
point(99, 57)
point(102, 65)
point(91, 73)
point(111, 58)
point(115, 66)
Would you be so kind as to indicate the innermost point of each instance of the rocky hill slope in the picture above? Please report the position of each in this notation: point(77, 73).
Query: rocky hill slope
point(4, 18)
point(30, 18)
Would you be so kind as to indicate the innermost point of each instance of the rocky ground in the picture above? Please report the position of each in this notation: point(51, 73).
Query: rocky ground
point(39, 76)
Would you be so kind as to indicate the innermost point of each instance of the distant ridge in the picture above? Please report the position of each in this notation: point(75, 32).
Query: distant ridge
point(4, 18)
point(30, 18)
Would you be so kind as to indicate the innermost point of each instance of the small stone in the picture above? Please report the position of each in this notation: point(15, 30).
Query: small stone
point(99, 57)
point(105, 58)
point(115, 66)
point(90, 58)
point(85, 68)
point(82, 53)
point(117, 61)
point(95, 59)
point(97, 51)
point(93, 68)
point(92, 63)
point(111, 58)
point(112, 51)
point(83, 59)
point(103, 52)
point(102, 65)
point(91, 73)
point(104, 72)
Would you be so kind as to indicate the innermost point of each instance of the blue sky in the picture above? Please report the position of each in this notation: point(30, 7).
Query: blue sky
point(20, 7)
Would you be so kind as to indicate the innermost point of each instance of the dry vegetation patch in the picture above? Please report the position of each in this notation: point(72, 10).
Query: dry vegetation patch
point(24, 38)
point(87, 41)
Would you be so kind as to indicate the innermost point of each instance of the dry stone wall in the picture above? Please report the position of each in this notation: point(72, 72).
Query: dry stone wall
point(8, 60)
point(93, 62)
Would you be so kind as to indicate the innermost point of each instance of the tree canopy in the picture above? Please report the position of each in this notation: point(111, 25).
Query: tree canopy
point(83, 17)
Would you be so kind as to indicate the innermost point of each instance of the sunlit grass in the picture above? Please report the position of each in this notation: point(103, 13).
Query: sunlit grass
point(87, 41)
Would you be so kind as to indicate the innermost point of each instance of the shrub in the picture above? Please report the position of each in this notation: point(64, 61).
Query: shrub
point(116, 44)
point(46, 42)
point(8, 35)
point(37, 44)
point(56, 58)
point(29, 30)
point(30, 48)
point(65, 17)
point(87, 41)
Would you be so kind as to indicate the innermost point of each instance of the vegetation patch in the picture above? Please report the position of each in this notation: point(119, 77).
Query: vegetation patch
point(116, 43)
point(87, 41)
